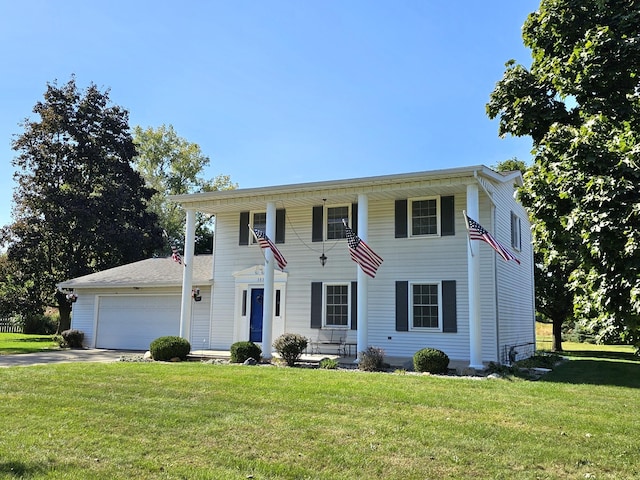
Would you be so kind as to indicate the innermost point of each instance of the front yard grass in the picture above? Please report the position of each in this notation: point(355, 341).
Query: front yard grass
point(12, 343)
point(200, 421)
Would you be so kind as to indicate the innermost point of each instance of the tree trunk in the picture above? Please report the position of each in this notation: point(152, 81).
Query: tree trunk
point(557, 334)
point(64, 308)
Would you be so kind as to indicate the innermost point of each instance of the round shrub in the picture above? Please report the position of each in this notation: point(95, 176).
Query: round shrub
point(164, 349)
point(290, 347)
point(72, 338)
point(430, 360)
point(242, 351)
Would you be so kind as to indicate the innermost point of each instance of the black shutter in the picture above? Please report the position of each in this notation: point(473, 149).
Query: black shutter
point(316, 304)
point(244, 229)
point(447, 216)
point(354, 218)
point(280, 225)
point(449, 312)
point(402, 306)
point(401, 219)
point(316, 226)
point(354, 305)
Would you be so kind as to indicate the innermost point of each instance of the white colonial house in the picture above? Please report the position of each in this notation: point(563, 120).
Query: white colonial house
point(435, 288)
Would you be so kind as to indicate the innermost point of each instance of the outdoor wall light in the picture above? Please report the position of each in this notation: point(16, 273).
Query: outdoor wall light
point(195, 293)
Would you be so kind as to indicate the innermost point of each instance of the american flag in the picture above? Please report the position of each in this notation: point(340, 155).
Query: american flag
point(360, 253)
point(476, 232)
point(175, 254)
point(264, 242)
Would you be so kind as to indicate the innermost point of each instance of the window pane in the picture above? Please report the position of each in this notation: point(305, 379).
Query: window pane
point(335, 227)
point(259, 222)
point(424, 217)
point(425, 306)
point(337, 305)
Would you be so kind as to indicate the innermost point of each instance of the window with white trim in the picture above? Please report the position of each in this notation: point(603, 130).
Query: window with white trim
point(336, 299)
point(425, 306)
point(425, 216)
point(334, 225)
point(259, 221)
point(516, 238)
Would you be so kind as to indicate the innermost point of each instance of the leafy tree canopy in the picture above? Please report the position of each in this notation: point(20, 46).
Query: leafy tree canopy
point(173, 166)
point(580, 103)
point(79, 206)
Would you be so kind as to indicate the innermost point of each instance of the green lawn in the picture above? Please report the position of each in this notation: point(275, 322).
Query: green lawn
point(12, 343)
point(201, 421)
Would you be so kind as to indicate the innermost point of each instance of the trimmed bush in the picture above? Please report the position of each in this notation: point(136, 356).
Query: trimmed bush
point(372, 360)
point(430, 360)
point(72, 338)
point(242, 351)
point(290, 347)
point(328, 364)
point(38, 324)
point(166, 348)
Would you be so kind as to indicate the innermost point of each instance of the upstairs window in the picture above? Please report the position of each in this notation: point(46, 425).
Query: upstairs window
point(335, 226)
point(516, 239)
point(424, 217)
point(259, 221)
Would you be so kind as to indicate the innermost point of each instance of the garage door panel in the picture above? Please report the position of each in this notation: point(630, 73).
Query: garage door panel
point(133, 322)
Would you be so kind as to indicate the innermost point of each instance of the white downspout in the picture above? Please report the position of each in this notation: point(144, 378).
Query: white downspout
point(187, 276)
point(363, 279)
point(268, 299)
point(473, 272)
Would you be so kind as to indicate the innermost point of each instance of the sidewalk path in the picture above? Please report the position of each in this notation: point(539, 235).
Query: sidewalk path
point(61, 356)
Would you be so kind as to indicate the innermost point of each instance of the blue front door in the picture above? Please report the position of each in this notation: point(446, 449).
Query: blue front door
point(255, 318)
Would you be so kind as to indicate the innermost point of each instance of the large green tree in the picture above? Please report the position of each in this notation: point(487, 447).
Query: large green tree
point(79, 206)
point(553, 259)
point(172, 165)
point(580, 103)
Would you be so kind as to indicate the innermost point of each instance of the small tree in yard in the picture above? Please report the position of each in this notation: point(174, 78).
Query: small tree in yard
point(290, 347)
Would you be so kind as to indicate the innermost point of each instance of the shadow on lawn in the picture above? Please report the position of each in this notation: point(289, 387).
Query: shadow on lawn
point(598, 368)
point(21, 469)
point(35, 340)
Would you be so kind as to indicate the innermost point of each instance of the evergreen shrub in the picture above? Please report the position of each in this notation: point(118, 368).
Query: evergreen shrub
point(430, 360)
point(242, 351)
point(166, 348)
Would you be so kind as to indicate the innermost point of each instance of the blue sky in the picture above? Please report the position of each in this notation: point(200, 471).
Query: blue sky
point(277, 91)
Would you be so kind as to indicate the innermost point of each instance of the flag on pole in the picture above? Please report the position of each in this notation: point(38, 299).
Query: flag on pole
point(175, 255)
point(360, 253)
point(265, 242)
point(477, 232)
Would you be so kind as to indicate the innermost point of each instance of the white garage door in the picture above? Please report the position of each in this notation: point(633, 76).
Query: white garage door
point(133, 322)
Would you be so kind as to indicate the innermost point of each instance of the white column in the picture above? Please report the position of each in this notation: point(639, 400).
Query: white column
point(473, 272)
point(269, 294)
point(187, 276)
point(363, 279)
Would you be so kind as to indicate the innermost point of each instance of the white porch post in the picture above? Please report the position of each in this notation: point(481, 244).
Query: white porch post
point(473, 272)
point(187, 276)
point(363, 279)
point(267, 304)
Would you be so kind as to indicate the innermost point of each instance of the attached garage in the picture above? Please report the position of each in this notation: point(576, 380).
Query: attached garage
point(132, 322)
point(127, 307)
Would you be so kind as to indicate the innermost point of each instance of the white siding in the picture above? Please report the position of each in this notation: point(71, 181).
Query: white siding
point(85, 311)
point(433, 259)
point(515, 299)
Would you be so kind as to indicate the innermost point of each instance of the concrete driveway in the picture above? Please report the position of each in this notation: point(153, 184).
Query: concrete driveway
point(62, 356)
